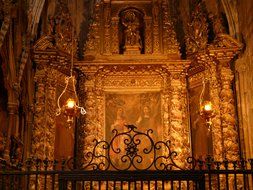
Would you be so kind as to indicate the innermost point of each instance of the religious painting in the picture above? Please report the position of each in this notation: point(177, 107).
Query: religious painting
point(142, 110)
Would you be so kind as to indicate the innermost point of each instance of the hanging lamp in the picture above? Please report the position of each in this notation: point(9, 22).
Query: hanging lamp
point(206, 106)
point(71, 107)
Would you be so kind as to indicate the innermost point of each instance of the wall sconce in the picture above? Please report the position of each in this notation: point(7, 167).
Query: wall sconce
point(206, 107)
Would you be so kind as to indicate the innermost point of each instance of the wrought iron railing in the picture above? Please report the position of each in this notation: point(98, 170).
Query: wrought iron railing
point(130, 160)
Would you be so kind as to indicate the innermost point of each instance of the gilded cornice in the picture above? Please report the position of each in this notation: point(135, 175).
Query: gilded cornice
point(225, 47)
point(45, 54)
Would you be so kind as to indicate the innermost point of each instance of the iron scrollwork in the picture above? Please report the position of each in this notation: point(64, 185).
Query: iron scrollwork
point(131, 150)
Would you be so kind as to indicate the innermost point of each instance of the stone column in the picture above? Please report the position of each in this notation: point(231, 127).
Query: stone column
point(228, 116)
point(179, 130)
point(28, 134)
point(12, 124)
point(244, 88)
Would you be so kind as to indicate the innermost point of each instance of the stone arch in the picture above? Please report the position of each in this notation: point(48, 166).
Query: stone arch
point(230, 7)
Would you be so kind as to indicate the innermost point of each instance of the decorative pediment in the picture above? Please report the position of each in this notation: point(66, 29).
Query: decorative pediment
point(46, 54)
point(63, 29)
point(131, 30)
point(197, 31)
point(44, 43)
point(226, 41)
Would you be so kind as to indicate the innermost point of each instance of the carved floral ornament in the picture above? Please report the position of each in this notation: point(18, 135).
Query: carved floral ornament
point(156, 73)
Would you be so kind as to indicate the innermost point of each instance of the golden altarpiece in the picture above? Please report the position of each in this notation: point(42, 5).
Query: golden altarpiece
point(132, 66)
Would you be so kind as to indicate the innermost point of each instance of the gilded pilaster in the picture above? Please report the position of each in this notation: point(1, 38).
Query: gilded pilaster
point(81, 120)
point(197, 31)
point(170, 44)
point(165, 102)
point(114, 36)
point(107, 24)
point(44, 118)
point(179, 130)
point(97, 25)
point(92, 46)
point(148, 35)
point(50, 107)
point(39, 122)
point(156, 33)
point(216, 126)
point(89, 126)
point(228, 116)
point(100, 115)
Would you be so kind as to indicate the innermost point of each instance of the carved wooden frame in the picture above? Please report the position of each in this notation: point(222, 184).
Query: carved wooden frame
point(136, 79)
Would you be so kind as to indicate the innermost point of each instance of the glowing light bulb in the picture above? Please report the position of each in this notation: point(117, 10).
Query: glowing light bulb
point(70, 103)
point(208, 106)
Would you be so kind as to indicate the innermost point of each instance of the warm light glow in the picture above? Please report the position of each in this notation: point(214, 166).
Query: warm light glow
point(208, 106)
point(70, 103)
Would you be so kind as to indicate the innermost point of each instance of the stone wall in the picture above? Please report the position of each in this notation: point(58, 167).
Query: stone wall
point(244, 77)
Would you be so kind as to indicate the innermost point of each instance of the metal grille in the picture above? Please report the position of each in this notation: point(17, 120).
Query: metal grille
point(128, 166)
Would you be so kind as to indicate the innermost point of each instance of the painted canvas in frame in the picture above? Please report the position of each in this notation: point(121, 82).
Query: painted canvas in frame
point(140, 109)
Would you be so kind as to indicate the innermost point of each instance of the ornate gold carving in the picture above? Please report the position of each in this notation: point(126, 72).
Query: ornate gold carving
point(132, 38)
point(44, 43)
point(156, 33)
point(63, 28)
point(92, 46)
point(217, 24)
point(107, 24)
point(148, 35)
point(115, 36)
point(226, 41)
point(90, 122)
point(132, 81)
point(228, 123)
point(224, 133)
point(44, 119)
point(197, 31)
point(81, 120)
point(131, 78)
point(216, 127)
point(46, 55)
point(179, 130)
point(170, 44)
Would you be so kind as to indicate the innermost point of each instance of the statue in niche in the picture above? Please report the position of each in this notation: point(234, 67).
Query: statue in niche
point(131, 30)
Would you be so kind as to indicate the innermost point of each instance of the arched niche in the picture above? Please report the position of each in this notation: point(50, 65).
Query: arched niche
point(131, 31)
